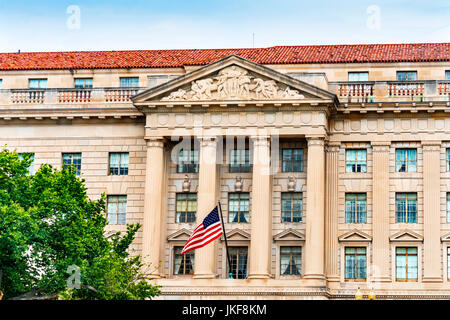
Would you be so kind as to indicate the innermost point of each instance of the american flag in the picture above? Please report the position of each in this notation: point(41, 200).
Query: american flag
point(207, 231)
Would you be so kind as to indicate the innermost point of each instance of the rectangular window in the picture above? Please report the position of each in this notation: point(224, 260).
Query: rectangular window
point(448, 159)
point(117, 209)
point(84, 83)
point(1, 82)
point(292, 160)
point(31, 167)
point(406, 207)
point(291, 206)
point(355, 263)
point(72, 159)
point(238, 207)
point(447, 75)
point(406, 160)
point(118, 163)
point(238, 257)
point(240, 160)
point(290, 260)
point(406, 264)
point(183, 263)
point(448, 207)
point(406, 75)
point(356, 160)
point(186, 207)
point(355, 208)
point(358, 76)
point(129, 82)
point(187, 161)
point(448, 263)
point(37, 83)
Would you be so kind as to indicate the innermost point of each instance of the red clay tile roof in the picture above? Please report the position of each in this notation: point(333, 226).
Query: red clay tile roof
point(415, 52)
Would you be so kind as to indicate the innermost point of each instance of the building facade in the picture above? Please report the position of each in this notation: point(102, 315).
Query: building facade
point(331, 163)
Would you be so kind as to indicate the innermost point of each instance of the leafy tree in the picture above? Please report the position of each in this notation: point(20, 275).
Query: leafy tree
point(51, 232)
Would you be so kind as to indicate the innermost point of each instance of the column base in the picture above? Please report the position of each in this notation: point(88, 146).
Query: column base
point(259, 276)
point(333, 279)
point(204, 276)
point(382, 279)
point(431, 279)
point(314, 276)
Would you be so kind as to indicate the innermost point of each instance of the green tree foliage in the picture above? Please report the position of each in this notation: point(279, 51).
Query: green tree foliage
point(48, 225)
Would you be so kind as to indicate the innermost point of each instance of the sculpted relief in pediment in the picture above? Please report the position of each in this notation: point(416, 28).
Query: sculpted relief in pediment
point(233, 83)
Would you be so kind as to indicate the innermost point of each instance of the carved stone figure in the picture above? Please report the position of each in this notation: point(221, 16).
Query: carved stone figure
point(291, 183)
point(233, 83)
point(238, 184)
point(186, 184)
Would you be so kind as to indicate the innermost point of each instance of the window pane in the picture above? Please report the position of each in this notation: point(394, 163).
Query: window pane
point(447, 75)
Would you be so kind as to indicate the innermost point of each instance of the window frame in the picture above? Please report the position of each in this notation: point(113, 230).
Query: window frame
point(118, 202)
point(406, 206)
point(187, 213)
point(119, 168)
point(189, 254)
point(407, 74)
point(447, 74)
point(358, 216)
point(355, 266)
point(239, 205)
point(130, 81)
point(40, 80)
point(193, 162)
point(359, 73)
point(362, 165)
point(291, 199)
point(229, 268)
point(31, 167)
point(407, 161)
point(300, 257)
point(407, 279)
point(78, 170)
point(84, 86)
point(292, 160)
point(239, 166)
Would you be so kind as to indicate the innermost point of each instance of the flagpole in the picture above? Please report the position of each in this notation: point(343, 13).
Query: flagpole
point(230, 274)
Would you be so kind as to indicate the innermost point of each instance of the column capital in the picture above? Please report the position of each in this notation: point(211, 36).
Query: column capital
point(207, 140)
point(431, 145)
point(380, 146)
point(155, 142)
point(333, 146)
point(316, 140)
point(260, 140)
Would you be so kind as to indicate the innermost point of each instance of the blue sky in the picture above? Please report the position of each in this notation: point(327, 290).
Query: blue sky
point(172, 24)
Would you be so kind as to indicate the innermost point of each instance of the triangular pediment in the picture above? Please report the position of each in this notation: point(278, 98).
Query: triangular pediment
point(406, 235)
point(180, 235)
point(289, 235)
point(232, 80)
point(237, 235)
point(355, 235)
point(445, 237)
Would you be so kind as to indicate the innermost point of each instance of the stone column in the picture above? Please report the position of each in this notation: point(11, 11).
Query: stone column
point(431, 211)
point(261, 213)
point(331, 212)
point(153, 210)
point(315, 209)
point(206, 200)
point(380, 205)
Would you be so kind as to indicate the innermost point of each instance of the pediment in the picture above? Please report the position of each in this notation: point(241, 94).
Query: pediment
point(237, 235)
point(406, 235)
point(445, 237)
point(355, 235)
point(232, 80)
point(180, 235)
point(289, 235)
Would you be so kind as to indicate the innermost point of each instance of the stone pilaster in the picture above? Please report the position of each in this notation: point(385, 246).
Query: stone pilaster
point(206, 201)
point(380, 204)
point(153, 210)
point(331, 212)
point(431, 211)
point(315, 210)
point(261, 213)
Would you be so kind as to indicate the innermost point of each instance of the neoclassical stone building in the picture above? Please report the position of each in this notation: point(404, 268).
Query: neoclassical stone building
point(331, 163)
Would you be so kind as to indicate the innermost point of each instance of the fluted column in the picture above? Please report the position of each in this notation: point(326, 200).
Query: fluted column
point(206, 200)
point(315, 210)
point(331, 212)
point(431, 211)
point(380, 205)
point(261, 214)
point(154, 181)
